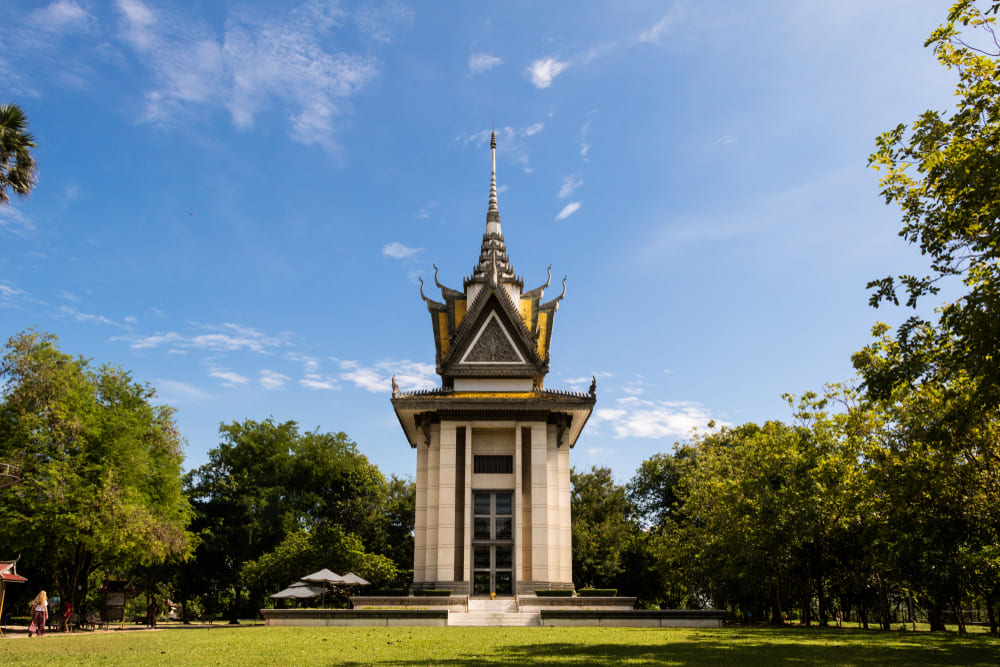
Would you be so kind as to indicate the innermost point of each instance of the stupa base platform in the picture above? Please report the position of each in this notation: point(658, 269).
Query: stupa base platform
point(503, 612)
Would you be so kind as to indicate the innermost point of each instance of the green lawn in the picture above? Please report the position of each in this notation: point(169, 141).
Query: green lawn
point(247, 645)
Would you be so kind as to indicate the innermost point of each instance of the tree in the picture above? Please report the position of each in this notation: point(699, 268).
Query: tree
point(939, 378)
point(17, 166)
point(101, 467)
point(273, 504)
point(601, 530)
point(944, 174)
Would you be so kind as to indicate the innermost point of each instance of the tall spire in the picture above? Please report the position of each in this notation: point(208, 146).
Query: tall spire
point(493, 214)
point(493, 263)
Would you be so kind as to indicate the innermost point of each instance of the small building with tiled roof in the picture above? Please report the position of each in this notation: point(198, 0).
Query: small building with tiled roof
point(492, 443)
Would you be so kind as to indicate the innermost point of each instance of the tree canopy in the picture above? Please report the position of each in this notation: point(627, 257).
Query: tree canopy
point(18, 173)
point(101, 467)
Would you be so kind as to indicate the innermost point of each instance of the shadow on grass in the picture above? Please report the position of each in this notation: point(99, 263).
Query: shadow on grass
point(756, 646)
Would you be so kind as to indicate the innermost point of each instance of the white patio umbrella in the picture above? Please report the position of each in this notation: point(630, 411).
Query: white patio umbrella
point(325, 577)
point(352, 579)
point(301, 590)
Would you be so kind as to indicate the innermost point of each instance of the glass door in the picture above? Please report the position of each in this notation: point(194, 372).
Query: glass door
point(492, 542)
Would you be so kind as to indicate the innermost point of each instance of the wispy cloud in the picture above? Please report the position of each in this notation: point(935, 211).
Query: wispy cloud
point(14, 221)
point(256, 63)
point(73, 313)
point(222, 338)
point(637, 418)
point(425, 211)
point(661, 28)
point(410, 375)
point(544, 70)
point(724, 140)
point(61, 16)
point(483, 62)
point(318, 382)
point(569, 210)
point(174, 392)
point(382, 24)
point(272, 380)
point(397, 250)
point(514, 141)
point(229, 378)
point(583, 137)
point(569, 185)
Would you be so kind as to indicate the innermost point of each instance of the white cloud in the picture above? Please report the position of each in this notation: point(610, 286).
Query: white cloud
point(724, 140)
point(568, 210)
point(382, 24)
point(378, 378)
point(514, 141)
point(425, 212)
point(543, 71)
point(636, 418)
point(316, 381)
point(14, 221)
point(272, 380)
point(61, 16)
point(229, 378)
point(69, 311)
point(582, 137)
point(397, 250)
point(569, 185)
point(483, 62)
point(172, 391)
point(656, 31)
point(254, 65)
point(225, 338)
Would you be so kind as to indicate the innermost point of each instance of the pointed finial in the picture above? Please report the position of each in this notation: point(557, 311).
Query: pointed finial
point(493, 213)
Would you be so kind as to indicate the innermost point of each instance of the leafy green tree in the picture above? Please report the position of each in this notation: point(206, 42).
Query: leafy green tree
point(944, 174)
point(101, 467)
point(273, 504)
point(938, 379)
point(18, 173)
point(601, 530)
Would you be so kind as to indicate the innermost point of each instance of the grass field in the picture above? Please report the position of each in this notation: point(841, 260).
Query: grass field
point(221, 645)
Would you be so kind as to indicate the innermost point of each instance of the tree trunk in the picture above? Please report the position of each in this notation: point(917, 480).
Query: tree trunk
point(864, 616)
point(806, 611)
point(990, 614)
point(912, 609)
point(883, 603)
point(821, 595)
point(778, 617)
point(959, 618)
point(936, 616)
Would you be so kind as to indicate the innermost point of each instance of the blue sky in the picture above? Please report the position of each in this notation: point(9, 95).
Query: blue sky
point(236, 199)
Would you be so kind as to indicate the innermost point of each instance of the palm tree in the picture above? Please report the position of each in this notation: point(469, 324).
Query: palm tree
point(17, 167)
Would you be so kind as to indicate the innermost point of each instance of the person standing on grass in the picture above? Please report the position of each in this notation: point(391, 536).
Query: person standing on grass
point(151, 611)
point(67, 613)
point(39, 614)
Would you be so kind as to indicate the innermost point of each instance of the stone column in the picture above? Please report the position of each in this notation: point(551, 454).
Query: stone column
point(420, 519)
point(552, 504)
point(539, 504)
point(433, 482)
point(565, 519)
point(446, 505)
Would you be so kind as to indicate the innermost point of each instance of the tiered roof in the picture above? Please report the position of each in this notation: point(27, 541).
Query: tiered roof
point(493, 328)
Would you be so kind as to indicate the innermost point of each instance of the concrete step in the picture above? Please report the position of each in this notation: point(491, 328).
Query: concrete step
point(494, 619)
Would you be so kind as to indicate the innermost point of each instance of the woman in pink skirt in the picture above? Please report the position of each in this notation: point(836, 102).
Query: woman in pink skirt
point(39, 614)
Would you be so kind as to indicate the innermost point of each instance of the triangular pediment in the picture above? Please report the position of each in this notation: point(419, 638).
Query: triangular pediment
point(492, 341)
point(493, 344)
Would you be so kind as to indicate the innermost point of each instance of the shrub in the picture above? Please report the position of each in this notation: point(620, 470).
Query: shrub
point(554, 593)
point(433, 593)
point(598, 592)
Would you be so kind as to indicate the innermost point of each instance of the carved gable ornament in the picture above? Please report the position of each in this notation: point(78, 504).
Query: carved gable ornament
point(493, 345)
